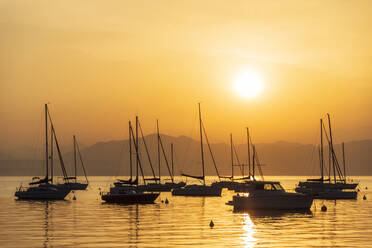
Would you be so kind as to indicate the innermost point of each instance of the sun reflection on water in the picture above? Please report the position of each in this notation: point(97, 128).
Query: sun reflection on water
point(249, 230)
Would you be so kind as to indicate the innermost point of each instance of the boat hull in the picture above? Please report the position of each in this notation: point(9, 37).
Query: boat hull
point(77, 186)
point(337, 195)
point(270, 202)
point(165, 187)
point(197, 190)
point(328, 194)
point(327, 185)
point(42, 193)
point(141, 198)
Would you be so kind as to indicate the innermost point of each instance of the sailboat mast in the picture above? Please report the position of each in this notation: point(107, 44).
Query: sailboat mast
point(232, 157)
point(51, 155)
point(75, 157)
point(249, 154)
point(130, 151)
point(158, 134)
point(201, 143)
point(331, 147)
point(172, 159)
point(137, 152)
point(46, 142)
point(253, 161)
point(343, 159)
point(321, 151)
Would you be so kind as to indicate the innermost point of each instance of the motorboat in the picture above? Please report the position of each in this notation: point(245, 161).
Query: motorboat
point(270, 196)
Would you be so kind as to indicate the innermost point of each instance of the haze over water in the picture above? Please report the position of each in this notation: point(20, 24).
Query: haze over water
point(184, 222)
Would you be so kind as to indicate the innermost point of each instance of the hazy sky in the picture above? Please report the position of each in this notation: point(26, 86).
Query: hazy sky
point(99, 63)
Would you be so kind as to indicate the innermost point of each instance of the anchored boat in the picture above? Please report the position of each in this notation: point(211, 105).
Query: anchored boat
point(196, 189)
point(129, 191)
point(44, 189)
point(329, 188)
point(266, 195)
point(74, 184)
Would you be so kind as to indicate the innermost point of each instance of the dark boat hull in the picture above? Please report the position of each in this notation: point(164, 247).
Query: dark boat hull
point(142, 198)
point(77, 186)
point(197, 190)
point(42, 193)
point(166, 187)
point(290, 201)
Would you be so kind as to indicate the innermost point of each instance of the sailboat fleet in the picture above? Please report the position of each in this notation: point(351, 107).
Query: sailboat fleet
point(327, 187)
point(252, 193)
point(45, 188)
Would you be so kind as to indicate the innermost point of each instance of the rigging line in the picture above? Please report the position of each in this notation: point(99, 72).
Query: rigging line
point(188, 145)
point(210, 151)
point(333, 154)
point(58, 149)
point(147, 151)
point(60, 156)
point(259, 165)
point(237, 159)
point(81, 160)
point(138, 157)
point(165, 158)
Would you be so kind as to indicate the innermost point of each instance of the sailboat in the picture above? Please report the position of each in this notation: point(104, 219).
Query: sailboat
point(129, 191)
point(74, 184)
point(44, 189)
point(158, 185)
point(328, 188)
point(195, 189)
point(240, 184)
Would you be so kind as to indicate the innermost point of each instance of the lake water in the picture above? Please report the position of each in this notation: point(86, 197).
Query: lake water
point(184, 222)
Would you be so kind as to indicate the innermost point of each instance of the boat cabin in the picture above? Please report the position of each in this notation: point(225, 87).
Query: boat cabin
point(266, 185)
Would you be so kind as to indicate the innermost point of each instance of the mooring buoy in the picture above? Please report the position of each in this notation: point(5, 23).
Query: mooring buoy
point(324, 208)
point(211, 224)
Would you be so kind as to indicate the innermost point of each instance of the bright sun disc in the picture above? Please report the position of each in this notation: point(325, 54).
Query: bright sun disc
point(249, 84)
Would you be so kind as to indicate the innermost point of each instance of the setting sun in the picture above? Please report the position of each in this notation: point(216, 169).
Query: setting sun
point(249, 84)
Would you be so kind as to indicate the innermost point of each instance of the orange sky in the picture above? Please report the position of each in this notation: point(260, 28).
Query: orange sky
point(99, 63)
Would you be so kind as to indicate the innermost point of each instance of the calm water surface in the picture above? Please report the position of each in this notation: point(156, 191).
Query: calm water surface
point(184, 222)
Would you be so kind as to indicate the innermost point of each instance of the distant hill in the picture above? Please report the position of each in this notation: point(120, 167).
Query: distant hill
point(279, 158)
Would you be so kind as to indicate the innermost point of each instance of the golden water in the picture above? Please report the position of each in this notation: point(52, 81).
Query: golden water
point(184, 222)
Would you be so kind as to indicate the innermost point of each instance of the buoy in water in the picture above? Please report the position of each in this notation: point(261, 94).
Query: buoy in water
point(324, 208)
point(166, 201)
point(211, 224)
point(74, 198)
point(364, 198)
